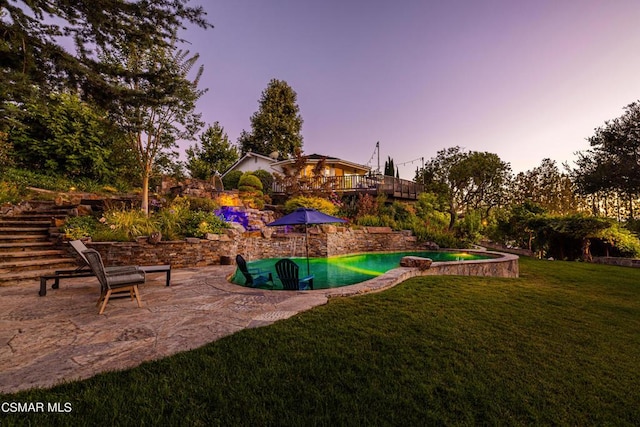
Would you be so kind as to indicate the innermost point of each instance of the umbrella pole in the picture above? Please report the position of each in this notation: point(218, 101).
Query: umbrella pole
point(306, 240)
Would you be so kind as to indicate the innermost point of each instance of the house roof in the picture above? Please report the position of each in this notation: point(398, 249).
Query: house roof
point(248, 156)
point(315, 158)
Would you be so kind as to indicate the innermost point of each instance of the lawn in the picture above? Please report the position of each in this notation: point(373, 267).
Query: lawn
point(559, 345)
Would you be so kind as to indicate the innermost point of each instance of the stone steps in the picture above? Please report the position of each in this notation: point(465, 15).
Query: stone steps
point(24, 230)
point(31, 223)
point(26, 247)
point(32, 254)
point(52, 264)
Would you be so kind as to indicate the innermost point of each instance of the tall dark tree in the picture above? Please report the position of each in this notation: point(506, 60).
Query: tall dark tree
point(213, 154)
point(389, 168)
point(33, 34)
point(276, 125)
point(613, 162)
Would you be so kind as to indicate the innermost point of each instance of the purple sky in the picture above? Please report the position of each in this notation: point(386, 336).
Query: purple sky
point(524, 80)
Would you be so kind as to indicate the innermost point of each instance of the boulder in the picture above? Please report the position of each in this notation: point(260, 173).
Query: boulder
point(416, 262)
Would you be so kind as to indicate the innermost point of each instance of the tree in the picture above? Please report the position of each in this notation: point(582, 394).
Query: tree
point(63, 135)
point(214, 154)
point(465, 180)
point(546, 186)
point(34, 33)
point(613, 162)
point(389, 168)
point(276, 125)
point(154, 123)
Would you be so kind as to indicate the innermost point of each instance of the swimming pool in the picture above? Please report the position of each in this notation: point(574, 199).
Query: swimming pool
point(347, 270)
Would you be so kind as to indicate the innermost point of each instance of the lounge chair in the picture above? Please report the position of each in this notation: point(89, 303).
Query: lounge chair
point(254, 277)
point(85, 271)
point(287, 272)
point(80, 247)
point(113, 282)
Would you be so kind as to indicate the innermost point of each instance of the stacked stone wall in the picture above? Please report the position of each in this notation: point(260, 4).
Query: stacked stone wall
point(325, 241)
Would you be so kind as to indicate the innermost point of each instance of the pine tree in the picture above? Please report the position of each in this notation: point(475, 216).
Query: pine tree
point(214, 154)
point(276, 125)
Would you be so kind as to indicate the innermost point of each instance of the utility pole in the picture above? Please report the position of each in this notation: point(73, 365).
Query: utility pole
point(378, 150)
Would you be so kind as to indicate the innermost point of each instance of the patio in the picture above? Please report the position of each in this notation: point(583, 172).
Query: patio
point(48, 340)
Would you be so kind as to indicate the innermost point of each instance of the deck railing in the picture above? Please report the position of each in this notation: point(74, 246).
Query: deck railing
point(393, 187)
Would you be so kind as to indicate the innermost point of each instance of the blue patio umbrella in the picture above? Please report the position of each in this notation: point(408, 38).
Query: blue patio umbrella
point(305, 216)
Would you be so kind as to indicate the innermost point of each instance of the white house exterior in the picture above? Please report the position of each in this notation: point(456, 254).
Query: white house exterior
point(252, 162)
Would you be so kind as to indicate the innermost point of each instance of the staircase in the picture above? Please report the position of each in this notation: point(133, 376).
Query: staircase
point(27, 248)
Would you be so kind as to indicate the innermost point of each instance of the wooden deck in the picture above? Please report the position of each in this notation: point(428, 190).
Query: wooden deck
point(395, 188)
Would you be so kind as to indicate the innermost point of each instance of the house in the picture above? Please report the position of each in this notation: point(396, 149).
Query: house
point(252, 162)
point(332, 166)
point(339, 175)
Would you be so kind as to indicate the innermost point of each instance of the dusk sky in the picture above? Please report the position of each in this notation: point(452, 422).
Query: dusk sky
point(524, 80)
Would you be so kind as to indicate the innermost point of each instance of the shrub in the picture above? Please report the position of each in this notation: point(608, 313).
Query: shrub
point(199, 223)
point(79, 227)
point(266, 179)
point(318, 203)
point(202, 204)
point(132, 223)
point(250, 188)
point(230, 180)
point(248, 179)
point(366, 205)
point(170, 219)
point(376, 221)
point(9, 192)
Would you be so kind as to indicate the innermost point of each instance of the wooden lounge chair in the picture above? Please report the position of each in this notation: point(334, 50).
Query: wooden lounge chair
point(113, 282)
point(287, 272)
point(254, 277)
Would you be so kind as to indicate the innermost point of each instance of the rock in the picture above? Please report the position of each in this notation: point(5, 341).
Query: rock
point(155, 237)
point(378, 230)
point(237, 227)
point(192, 240)
point(212, 236)
point(267, 232)
point(329, 229)
point(416, 261)
point(85, 210)
point(431, 246)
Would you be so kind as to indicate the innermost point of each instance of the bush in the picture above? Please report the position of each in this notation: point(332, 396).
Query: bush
point(9, 192)
point(230, 180)
point(248, 179)
point(318, 203)
point(79, 227)
point(202, 204)
point(376, 221)
point(266, 179)
point(199, 223)
point(129, 223)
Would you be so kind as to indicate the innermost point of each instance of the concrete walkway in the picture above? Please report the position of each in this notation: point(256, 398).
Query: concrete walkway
point(60, 337)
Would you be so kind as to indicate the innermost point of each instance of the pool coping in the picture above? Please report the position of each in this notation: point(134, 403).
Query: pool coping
point(398, 275)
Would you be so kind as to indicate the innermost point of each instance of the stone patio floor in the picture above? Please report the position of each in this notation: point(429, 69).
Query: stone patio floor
point(60, 337)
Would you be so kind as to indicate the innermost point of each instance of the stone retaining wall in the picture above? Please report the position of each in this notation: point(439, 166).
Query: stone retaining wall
point(323, 241)
point(622, 262)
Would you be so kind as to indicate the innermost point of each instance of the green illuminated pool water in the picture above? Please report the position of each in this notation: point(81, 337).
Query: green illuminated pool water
point(346, 270)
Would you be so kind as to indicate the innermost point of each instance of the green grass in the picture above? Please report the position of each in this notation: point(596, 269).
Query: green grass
point(559, 346)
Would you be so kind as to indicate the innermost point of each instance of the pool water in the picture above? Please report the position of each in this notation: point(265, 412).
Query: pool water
point(346, 270)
